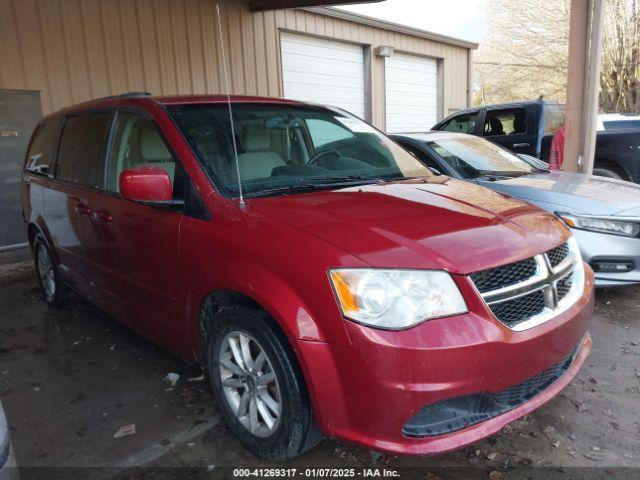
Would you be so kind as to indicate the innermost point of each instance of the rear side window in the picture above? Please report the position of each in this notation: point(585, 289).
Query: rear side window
point(461, 124)
point(43, 147)
point(510, 122)
point(82, 149)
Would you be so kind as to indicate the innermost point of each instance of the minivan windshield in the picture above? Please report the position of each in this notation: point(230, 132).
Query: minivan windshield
point(474, 157)
point(288, 148)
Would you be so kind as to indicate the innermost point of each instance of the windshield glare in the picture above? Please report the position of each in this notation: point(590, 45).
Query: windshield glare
point(284, 147)
point(474, 157)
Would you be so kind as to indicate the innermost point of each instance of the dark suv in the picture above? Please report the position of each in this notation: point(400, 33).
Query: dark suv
point(330, 283)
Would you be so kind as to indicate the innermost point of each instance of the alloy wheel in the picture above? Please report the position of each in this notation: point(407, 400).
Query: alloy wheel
point(250, 384)
point(46, 271)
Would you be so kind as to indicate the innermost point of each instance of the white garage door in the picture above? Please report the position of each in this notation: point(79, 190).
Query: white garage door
point(323, 71)
point(411, 90)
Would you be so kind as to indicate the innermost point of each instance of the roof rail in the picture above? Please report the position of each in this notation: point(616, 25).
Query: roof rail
point(125, 95)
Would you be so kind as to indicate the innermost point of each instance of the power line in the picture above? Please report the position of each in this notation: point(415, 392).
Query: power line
point(533, 65)
point(526, 65)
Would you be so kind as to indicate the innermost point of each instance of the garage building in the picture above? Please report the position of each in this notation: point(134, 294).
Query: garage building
point(55, 53)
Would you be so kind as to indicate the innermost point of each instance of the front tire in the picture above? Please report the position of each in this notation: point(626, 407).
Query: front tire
point(54, 292)
point(258, 385)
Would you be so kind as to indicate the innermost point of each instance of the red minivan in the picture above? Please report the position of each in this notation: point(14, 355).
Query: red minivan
point(329, 282)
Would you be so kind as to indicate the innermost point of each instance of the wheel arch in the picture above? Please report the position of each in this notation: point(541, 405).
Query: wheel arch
point(215, 302)
point(38, 228)
point(612, 165)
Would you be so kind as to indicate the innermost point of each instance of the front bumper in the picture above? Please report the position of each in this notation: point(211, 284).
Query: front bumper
point(367, 393)
point(601, 246)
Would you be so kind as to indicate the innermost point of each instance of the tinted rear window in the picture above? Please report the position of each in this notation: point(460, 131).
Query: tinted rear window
point(43, 147)
point(621, 124)
point(82, 149)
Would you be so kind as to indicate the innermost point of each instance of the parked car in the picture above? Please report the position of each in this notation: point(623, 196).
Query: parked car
point(603, 213)
point(8, 469)
point(528, 128)
point(339, 295)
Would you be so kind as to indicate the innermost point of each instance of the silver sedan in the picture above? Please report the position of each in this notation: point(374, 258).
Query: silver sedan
point(8, 470)
point(603, 213)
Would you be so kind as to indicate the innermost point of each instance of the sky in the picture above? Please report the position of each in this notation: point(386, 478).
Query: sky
point(456, 18)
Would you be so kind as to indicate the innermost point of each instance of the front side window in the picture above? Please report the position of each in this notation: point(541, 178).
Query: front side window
point(461, 124)
point(137, 142)
point(82, 149)
point(43, 147)
point(289, 147)
point(509, 122)
point(474, 157)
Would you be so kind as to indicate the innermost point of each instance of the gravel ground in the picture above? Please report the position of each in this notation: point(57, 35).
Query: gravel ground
point(70, 379)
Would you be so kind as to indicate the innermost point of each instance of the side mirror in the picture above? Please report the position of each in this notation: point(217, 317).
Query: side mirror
point(146, 184)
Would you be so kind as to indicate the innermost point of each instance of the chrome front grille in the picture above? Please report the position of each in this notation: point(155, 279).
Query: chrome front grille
point(501, 277)
point(520, 309)
point(556, 255)
point(527, 293)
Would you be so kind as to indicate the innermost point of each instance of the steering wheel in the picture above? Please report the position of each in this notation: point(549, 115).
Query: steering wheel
point(318, 156)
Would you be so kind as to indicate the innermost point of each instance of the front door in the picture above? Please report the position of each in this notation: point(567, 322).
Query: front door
point(139, 244)
point(19, 114)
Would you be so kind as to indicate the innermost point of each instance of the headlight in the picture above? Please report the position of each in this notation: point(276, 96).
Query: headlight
point(396, 299)
point(604, 225)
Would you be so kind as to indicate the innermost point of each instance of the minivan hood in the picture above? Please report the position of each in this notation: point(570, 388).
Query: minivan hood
point(438, 223)
point(573, 192)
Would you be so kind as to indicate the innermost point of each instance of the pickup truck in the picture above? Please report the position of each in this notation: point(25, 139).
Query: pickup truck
point(528, 127)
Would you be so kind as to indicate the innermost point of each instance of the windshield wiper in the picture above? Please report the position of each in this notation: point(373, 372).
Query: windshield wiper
point(360, 179)
point(302, 187)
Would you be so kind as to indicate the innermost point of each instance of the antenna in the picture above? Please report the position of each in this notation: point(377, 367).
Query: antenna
point(233, 131)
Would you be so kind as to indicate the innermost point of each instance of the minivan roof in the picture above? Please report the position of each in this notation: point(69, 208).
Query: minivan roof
point(144, 99)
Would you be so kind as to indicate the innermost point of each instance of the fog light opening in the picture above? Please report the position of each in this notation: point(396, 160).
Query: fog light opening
point(612, 265)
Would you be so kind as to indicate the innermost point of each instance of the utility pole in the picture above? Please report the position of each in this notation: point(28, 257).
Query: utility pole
point(583, 84)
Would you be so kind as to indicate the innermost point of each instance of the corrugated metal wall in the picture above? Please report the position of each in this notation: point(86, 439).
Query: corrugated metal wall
point(73, 50)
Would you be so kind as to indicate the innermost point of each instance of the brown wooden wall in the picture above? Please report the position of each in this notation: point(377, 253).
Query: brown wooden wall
point(73, 50)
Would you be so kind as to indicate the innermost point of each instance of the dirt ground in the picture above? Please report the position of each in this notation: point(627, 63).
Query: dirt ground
point(70, 379)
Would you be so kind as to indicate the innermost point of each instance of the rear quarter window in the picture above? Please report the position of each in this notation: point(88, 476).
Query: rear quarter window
point(41, 155)
point(82, 149)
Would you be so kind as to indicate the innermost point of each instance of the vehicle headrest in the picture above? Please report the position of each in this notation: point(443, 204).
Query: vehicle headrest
point(152, 148)
point(496, 124)
point(256, 138)
point(519, 125)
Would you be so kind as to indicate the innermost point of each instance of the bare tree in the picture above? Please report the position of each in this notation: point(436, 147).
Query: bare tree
point(619, 81)
point(524, 53)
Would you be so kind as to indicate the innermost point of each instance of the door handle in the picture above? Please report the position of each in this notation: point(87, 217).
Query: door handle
point(517, 145)
point(102, 216)
point(82, 209)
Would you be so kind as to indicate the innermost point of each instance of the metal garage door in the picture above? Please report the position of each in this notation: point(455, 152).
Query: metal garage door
point(411, 89)
point(323, 71)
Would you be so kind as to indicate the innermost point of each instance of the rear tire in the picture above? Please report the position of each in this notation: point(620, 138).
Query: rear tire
point(258, 385)
point(53, 290)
